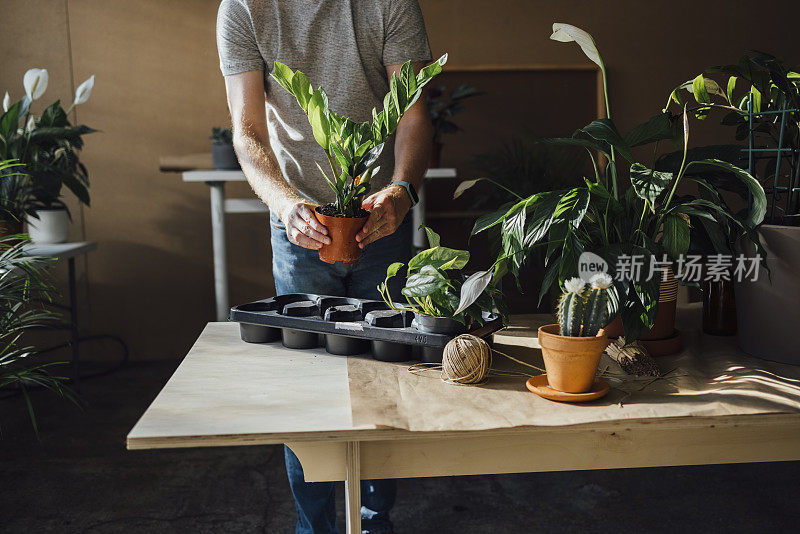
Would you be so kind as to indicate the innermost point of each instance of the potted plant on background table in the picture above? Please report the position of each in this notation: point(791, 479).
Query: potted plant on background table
point(760, 98)
point(15, 191)
point(48, 147)
point(352, 149)
point(647, 219)
point(441, 302)
point(442, 111)
point(571, 348)
point(222, 152)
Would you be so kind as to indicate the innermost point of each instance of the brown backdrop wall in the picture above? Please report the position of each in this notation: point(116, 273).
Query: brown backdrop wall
point(158, 91)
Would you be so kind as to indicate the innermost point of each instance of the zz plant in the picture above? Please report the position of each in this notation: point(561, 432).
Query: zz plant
point(353, 147)
point(433, 287)
point(613, 217)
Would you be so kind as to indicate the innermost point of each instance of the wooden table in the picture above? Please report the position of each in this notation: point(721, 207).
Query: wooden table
point(227, 392)
point(196, 168)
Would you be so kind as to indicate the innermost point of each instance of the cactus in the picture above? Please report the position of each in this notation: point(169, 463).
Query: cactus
point(571, 307)
point(584, 311)
point(595, 315)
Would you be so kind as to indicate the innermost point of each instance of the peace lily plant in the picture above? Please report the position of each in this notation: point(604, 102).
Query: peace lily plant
point(625, 209)
point(47, 146)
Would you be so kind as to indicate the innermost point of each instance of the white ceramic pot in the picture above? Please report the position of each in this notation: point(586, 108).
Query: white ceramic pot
point(768, 310)
point(52, 226)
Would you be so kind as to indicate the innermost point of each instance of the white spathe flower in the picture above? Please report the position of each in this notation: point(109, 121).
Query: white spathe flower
point(574, 285)
point(35, 83)
point(567, 33)
point(463, 186)
point(6, 102)
point(31, 126)
point(83, 91)
point(601, 281)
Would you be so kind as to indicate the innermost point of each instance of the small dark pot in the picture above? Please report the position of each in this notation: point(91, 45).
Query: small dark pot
point(224, 157)
point(438, 325)
point(256, 333)
point(719, 308)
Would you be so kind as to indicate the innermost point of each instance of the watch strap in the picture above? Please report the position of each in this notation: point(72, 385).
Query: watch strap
point(412, 193)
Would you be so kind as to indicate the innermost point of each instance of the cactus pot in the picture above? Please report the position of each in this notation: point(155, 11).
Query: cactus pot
point(342, 231)
point(571, 362)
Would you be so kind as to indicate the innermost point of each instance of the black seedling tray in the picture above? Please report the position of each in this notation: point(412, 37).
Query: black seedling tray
point(345, 326)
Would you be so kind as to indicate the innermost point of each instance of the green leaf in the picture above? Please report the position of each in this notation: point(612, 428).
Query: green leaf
point(441, 258)
point(731, 88)
point(283, 75)
point(472, 288)
point(575, 141)
point(758, 199)
point(393, 268)
point(301, 88)
point(423, 284)
point(572, 206)
point(605, 130)
point(319, 120)
point(484, 222)
point(700, 91)
point(675, 237)
point(648, 184)
point(433, 237)
point(655, 129)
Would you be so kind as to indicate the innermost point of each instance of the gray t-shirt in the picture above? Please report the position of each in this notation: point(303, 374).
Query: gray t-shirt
point(343, 46)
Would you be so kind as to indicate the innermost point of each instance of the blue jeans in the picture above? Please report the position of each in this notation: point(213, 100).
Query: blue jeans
point(299, 270)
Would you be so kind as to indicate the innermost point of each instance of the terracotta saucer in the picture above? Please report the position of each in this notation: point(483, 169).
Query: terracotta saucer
point(538, 385)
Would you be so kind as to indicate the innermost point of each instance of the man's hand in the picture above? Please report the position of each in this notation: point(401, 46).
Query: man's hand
point(388, 208)
point(303, 228)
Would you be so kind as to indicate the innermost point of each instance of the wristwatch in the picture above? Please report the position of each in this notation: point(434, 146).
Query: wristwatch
point(412, 193)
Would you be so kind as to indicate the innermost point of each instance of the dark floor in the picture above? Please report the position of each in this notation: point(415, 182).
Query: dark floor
point(80, 478)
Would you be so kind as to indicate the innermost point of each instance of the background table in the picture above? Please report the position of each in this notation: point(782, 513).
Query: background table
point(227, 392)
point(220, 206)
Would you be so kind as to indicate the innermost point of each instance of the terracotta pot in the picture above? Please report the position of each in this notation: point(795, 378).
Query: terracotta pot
point(342, 231)
point(571, 362)
point(436, 156)
point(664, 325)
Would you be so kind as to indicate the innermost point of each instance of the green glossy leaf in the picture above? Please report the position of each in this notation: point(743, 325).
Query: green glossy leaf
point(441, 258)
point(472, 288)
point(700, 91)
point(655, 129)
point(433, 237)
point(319, 120)
point(648, 184)
point(393, 269)
point(731, 88)
point(758, 199)
point(423, 284)
point(675, 237)
point(283, 75)
point(301, 89)
point(605, 130)
point(572, 206)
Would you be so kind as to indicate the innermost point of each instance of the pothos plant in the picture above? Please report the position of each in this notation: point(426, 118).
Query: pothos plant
point(434, 287)
point(620, 211)
point(353, 148)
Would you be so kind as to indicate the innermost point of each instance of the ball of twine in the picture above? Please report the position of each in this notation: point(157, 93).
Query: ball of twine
point(466, 360)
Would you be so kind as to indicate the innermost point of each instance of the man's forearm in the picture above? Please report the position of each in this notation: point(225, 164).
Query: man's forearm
point(261, 168)
point(412, 147)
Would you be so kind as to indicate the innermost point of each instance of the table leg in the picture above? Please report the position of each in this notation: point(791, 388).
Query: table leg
point(420, 239)
point(352, 488)
point(73, 319)
point(217, 193)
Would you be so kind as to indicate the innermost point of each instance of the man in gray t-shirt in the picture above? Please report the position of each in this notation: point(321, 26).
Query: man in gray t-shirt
point(350, 48)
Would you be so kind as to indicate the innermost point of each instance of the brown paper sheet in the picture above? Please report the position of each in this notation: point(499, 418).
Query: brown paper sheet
point(710, 377)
